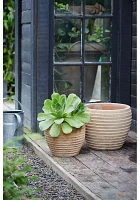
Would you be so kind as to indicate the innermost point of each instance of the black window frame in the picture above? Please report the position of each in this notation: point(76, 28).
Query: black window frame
point(83, 63)
point(120, 49)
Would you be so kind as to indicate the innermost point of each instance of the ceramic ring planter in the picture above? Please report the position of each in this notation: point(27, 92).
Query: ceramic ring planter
point(66, 145)
point(109, 125)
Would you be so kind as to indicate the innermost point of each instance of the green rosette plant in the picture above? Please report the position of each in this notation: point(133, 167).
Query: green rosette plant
point(64, 113)
point(15, 176)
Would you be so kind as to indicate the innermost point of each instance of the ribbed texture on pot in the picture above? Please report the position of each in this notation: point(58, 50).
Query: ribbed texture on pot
point(66, 145)
point(109, 125)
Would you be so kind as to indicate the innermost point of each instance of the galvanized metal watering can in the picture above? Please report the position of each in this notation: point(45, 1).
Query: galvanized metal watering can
point(13, 123)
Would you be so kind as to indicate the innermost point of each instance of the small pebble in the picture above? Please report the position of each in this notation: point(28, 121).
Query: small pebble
point(52, 186)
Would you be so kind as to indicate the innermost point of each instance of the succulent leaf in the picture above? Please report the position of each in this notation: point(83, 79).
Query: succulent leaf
point(59, 121)
point(66, 128)
point(45, 124)
point(74, 123)
point(44, 116)
point(55, 130)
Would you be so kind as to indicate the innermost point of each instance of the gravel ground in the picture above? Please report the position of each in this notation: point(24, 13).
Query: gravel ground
point(53, 186)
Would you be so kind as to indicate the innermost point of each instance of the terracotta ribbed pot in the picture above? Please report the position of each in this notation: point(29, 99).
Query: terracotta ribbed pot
point(109, 125)
point(66, 145)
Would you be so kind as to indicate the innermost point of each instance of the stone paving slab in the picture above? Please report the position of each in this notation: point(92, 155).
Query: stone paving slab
point(105, 175)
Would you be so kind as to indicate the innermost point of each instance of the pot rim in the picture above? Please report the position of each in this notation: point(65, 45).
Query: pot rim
point(119, 107)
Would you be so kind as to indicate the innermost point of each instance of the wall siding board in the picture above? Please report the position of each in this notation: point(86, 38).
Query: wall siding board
point(133, 78)
point(134, 29)
point(134, 113)
point(26, 89)
point(26, 79)
point(26, 56)
point(134, 53)
point(26, 68)
point(134, 18)
point(26, 61)
point(133, 101)
point(134, 6)
point(134, 42)
point(134, 90)
point(134, 66)
point(133, 95)
point(26, 31)
point(27, 122)
point(26, 5)
point(27, 113)
point(26, 100)
point(18, 51)
point(26, 17)
point(121, 51)
point(26, 45)
point(134, 125)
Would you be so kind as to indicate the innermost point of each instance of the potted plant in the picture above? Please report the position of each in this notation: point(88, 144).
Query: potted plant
point(109, 125)
point(63, 122)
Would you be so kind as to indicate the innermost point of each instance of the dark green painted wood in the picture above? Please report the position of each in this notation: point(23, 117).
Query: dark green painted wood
point(121, 51)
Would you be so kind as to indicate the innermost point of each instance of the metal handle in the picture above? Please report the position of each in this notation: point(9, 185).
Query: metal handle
point(19, 123)
point(15, 100)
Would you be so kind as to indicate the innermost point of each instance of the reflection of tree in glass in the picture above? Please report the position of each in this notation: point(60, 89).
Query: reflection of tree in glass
point(69, 31)
point(68, 34)
point(60, 85)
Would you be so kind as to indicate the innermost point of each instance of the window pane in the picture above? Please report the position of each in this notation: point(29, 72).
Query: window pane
point(97, 83)
point(67, 40)
point(97, 40)
point(68, 7)
point(98, 7)
point(67, 79)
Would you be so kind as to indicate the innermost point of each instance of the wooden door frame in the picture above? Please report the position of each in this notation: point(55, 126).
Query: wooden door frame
point(121, 51)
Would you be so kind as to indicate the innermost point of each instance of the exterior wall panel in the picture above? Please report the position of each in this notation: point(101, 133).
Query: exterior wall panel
point(26, 56)
point(134, 67)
